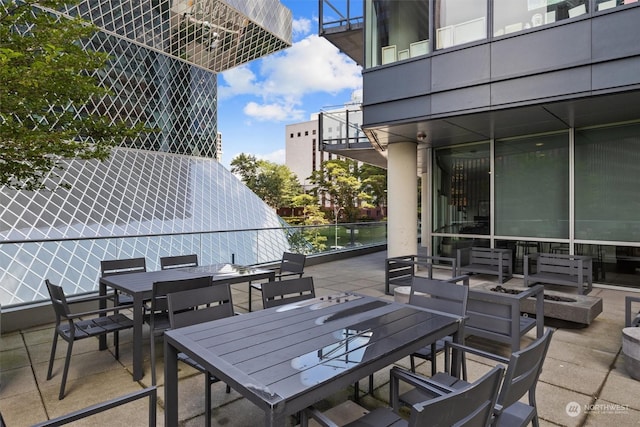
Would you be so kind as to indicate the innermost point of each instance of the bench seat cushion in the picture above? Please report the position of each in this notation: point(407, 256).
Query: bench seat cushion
point(556, 278)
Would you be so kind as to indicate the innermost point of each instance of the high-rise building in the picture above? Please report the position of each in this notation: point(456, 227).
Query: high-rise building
point(163, 193)
point(521, 117)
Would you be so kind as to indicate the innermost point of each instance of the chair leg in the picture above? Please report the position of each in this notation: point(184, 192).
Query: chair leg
point(153, 358)
point(371, 384)
point(433, 359)
point(413, 363)
point(249, 296)
point(53, 354)
point(65, 371)
point(116, 344)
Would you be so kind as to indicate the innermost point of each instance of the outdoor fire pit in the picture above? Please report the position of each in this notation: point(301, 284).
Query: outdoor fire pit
point(581, 309)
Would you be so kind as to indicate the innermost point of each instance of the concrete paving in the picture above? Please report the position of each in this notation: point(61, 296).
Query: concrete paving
point(584, 381)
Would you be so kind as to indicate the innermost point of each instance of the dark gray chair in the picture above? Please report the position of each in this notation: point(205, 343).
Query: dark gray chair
point(72, 327)
point(290, 265)
point(196, 306)
point(122, 266)
point(439, 295)
point(631, 317)
point(469, 406)
point(178, 261)
point(521, 377)
point(283, 292)
point(158, 317)
point(149, 392)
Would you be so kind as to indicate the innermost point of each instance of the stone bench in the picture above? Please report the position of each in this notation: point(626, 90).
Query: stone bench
point(497, 262)
point(631, 351)
point(559, 269)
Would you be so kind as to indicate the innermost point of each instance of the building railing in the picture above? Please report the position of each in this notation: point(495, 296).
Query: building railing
point(338, 15)
point(75, 262)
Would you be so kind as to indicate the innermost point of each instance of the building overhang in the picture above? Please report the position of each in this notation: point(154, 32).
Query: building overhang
point(509, 122)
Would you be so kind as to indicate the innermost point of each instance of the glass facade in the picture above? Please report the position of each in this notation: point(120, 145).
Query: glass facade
point(537, 180)
point(162, 193)
point(396, 30)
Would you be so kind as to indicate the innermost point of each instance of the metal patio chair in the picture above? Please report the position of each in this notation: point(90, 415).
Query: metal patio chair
point(72, 327)
point(158, 318)
point(178, 261)
point(122, 266)
point(290, 265)
point(520, 380)
point(471, 405)
point(283, 292)
point(197, 306)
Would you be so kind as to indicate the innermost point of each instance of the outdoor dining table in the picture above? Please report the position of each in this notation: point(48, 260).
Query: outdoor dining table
point(286, 358)
point(139, 286)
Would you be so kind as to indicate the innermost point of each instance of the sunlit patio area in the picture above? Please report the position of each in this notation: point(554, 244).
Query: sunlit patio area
point(584, 380)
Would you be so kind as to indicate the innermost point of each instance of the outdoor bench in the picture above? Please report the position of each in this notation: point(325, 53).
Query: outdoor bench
point(560, 269)
point(498, 316)
point(399, 271)
point(493, 261)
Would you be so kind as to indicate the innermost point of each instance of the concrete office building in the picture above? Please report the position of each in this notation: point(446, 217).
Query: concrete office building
point(163, 193)
point(521, 117)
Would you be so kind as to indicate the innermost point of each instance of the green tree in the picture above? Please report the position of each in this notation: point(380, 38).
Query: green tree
point(313, 215)
point(47, 88)
point(340, 179)
point(272, 182)
point(374, 183)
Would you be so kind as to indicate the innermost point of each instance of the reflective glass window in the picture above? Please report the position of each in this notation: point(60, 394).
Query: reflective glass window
point(607, 179)
point(459, 22)
point(461, 190)
point(532, 186)
point(515, 15)
point(396, 30)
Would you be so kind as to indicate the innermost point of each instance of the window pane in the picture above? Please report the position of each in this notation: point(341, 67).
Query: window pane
point(515, 15)
point(396, 30)
point(532, 186)
point(607, 174)
point(461, 190)
point(460, 21)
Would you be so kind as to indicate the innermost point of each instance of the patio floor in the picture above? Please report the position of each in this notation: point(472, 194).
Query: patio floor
point(584, 369)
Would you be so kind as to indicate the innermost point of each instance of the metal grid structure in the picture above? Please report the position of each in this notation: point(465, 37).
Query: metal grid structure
point(162, 193)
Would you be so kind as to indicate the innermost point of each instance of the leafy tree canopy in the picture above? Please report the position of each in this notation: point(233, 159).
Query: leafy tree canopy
point(46, 92)
point(272, 182)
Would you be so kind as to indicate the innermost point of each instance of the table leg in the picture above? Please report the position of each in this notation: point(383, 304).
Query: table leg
point(137, 337)
point(170, 385)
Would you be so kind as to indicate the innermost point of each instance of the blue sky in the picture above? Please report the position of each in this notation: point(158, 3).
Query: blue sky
point(257, 100)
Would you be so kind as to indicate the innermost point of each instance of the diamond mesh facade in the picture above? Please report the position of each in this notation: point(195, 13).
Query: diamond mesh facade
point(163, 193)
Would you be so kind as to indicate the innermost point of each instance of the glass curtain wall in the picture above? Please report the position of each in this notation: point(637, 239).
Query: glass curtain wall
point(396, 30)
point(532, 190)
point(532, 186)
point(510, 16)
point(460, 21)
point(461, 188)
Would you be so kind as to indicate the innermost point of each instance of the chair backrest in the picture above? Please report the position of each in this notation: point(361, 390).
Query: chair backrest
point(200, 305)
point(292, 263)
point(160, 290)
point(439, 295)
point(122, 266)
point(58, 301)
point(178, 261)
point(287, 291)
point(470, 406)
point(523, 371)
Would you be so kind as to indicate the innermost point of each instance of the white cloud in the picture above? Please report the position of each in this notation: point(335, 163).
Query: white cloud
point(301, 26)
point(272, 112)
point(280, 82)
point(277, 156)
